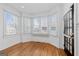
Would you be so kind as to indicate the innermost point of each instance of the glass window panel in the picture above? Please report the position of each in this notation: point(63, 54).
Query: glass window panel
point(44, 24)
point(52, 25)
point(71, 41)
point(27, 25)
point(68, 46)
point(71, 14)
point(70, 49)
point(70, 31)
point(10, 23)
point(70, 23)
point(36, 24)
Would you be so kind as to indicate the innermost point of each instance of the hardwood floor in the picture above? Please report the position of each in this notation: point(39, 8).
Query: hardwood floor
point(34, 49)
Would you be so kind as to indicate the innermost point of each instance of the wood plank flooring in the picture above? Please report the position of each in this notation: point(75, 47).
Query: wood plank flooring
point(34, 49)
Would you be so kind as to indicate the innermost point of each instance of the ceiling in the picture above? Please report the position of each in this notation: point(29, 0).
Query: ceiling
point(36, 8)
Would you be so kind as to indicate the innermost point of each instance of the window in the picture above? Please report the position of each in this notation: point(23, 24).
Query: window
point(26, 25)
point(40, 25)
point(36, 25)
point(9, 23)
point(52, 20)
point(44, 24)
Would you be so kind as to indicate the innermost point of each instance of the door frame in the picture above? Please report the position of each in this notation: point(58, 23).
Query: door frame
point(75, 31)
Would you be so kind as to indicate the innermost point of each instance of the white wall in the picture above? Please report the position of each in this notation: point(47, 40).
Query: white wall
point(7, 41)
point(77, 29)
point(1, 28)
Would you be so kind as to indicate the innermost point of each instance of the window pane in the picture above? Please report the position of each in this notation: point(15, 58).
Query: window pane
point(10, 23)
point(44, 24)
point(36, 24)
point(27, 25)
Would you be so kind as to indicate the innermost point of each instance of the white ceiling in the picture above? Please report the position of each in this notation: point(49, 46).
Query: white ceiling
point(36, 8)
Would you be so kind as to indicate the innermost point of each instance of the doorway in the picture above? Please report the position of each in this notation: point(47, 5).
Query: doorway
point(69, 32)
